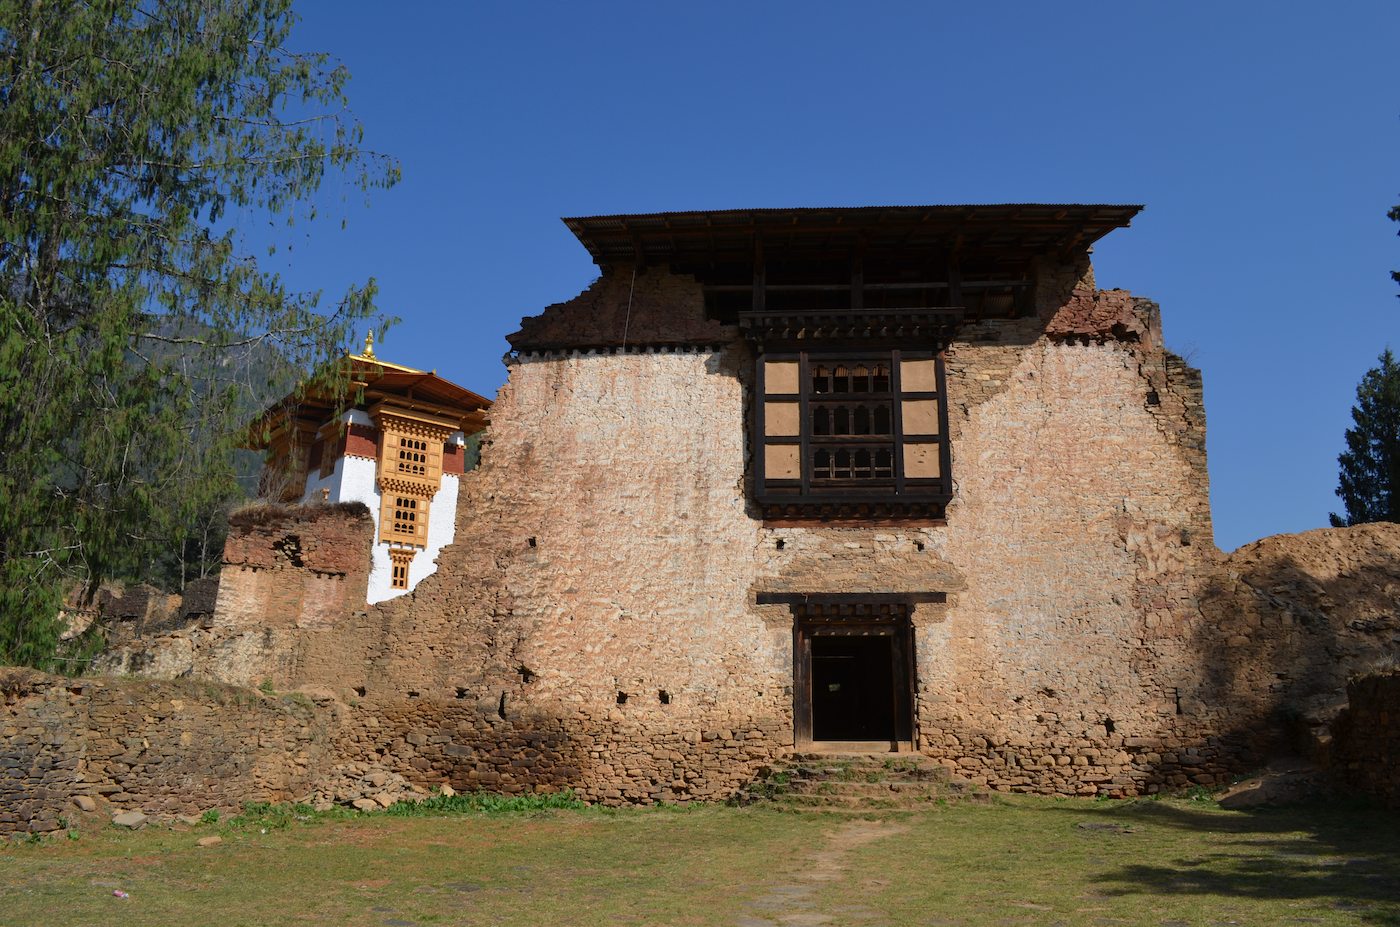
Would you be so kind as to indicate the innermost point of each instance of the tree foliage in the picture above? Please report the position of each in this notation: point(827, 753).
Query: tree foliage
point(1394, 215)
point(1370, 466)
point(135, 326)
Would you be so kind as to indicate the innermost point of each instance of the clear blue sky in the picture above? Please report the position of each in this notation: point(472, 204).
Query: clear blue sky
point(1262, 137)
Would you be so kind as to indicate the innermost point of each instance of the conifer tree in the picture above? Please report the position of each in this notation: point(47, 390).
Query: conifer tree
point(1370, 466)
point(135, 326)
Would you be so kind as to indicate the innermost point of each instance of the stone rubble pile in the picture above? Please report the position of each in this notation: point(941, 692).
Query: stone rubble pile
point(364, 786)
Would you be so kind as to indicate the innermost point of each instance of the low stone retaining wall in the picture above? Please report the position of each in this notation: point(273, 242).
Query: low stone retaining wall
point(1114, 765)
point(162, 748)
point(472, 746)
point(1364, 755)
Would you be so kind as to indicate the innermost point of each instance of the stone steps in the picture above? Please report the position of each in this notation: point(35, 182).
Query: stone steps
point(856, 782)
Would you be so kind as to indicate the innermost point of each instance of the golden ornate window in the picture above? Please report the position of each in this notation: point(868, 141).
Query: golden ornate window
point(405, 521)
point(411, 460)
point(410, 469)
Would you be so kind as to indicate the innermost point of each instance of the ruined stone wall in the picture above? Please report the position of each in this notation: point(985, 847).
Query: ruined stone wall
point(156, 747)
point(595, 624)
point(1285, 621)
point(599, 591)
point(1365, 752)
point(294, 566)
point(287, 568)
point(651, 308)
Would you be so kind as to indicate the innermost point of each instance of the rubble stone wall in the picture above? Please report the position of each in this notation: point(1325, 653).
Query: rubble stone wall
point(156, 747)
point(1365, 751)
point(287, 568)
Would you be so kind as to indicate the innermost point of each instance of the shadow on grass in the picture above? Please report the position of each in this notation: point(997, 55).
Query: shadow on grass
point(1344, 854)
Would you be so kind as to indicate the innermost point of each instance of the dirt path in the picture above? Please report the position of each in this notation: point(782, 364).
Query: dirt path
point(789, 902)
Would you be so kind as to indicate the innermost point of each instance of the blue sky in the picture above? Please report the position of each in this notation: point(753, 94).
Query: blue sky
point(1263, 139)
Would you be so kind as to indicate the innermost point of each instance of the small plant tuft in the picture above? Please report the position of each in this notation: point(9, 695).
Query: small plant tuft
point(210, 817)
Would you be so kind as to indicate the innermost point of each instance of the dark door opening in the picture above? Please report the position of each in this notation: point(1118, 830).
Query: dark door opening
point(853, 688)
point(853, 673)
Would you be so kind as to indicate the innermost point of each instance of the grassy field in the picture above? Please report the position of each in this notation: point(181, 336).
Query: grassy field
point(1018, 861)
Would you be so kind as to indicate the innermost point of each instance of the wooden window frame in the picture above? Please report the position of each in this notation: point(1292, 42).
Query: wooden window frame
point(400, 558)
point(903, 498)
point(406, 502)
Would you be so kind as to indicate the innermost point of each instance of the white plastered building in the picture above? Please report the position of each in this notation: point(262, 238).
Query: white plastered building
point(400, 449)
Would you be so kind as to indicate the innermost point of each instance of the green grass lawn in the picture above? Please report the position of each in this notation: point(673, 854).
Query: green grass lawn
point(1019, 861)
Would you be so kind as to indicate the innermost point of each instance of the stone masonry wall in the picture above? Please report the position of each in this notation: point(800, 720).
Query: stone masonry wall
point(1365, 754)
point(286, 568)
point(1285, 621)
point(612, 558)
point(598, 595)
point(595, 625)
point(156, 747)
point(294, 566)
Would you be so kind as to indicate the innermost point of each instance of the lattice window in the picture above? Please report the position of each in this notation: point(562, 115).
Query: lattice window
point(863, 427)
point(405, 519)
point(413, 457)
point(410, 474)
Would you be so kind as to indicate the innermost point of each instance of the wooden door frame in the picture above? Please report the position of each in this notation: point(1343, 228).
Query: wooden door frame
point(900, 632)
point(864, 608)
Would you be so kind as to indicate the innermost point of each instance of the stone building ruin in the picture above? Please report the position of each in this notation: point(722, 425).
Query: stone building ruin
point(856, 479)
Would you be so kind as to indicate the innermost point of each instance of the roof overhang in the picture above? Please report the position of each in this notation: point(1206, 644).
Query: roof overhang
point(373, 381)
point(819, 234)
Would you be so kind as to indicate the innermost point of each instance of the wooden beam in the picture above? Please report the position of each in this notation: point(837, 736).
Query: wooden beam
point(760, 293)
point(858, 280)
point(851, 598)
point(815, 287)
point(1069, 248)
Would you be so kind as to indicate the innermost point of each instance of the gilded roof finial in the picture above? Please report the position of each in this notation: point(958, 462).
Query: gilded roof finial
point(369, 343)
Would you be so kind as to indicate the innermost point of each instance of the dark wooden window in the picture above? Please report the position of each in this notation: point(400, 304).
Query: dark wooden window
point(855, 433)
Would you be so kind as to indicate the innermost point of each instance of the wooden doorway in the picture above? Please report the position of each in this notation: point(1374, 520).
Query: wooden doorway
point(853, 676)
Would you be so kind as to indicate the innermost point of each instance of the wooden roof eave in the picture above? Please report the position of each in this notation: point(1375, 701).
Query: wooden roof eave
point(465, 405)
point(730, 235)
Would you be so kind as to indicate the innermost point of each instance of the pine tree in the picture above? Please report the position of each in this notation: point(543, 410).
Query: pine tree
point(1370, 466)
point(130, 315)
